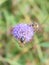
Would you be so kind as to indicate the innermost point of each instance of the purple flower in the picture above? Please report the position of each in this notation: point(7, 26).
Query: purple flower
point(23, 31)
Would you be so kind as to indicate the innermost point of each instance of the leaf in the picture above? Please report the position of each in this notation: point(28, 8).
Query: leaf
point(11, 62)
point(24, 8)
point(10, 20)
point(2, 1)
point(46, 29)
point(1, 45)
point(44, 44)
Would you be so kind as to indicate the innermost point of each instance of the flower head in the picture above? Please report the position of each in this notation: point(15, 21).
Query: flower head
point(23, 32)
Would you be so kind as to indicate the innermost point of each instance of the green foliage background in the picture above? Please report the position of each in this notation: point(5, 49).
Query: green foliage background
point(13, 12)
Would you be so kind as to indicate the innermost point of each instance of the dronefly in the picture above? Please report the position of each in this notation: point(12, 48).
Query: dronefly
point(23, 32)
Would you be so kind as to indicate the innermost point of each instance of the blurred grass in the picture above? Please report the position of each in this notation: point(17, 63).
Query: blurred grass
point(13, 12)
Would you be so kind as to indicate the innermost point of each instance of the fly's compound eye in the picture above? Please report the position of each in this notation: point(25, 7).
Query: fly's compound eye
point(22, 39)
